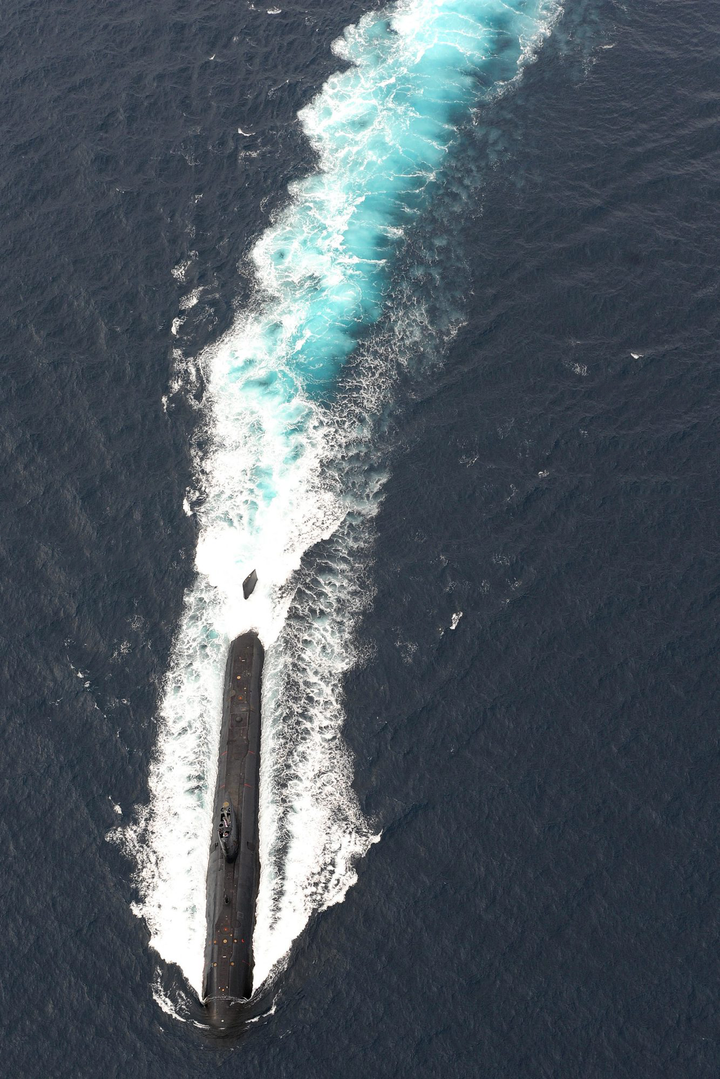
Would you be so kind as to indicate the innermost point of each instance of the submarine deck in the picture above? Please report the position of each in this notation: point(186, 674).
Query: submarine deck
point(232, 886)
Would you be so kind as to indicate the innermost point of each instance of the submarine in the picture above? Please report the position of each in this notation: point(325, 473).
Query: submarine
point(234, 860)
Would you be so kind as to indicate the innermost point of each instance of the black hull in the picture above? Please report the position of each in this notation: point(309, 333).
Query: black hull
point(232, 885)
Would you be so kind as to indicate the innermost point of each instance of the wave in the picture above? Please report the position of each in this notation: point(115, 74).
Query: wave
point(291, 480)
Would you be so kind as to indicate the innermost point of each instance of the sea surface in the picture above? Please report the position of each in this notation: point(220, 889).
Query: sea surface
point(414, 309)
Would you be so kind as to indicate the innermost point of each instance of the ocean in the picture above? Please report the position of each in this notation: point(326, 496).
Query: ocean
point(413, 309)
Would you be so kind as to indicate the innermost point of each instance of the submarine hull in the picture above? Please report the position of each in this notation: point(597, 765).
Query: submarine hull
point(232, 883)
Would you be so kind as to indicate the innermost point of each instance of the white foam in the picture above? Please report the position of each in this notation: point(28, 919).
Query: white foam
point(290, 487)
point(166, 1003)
point(186, 302)
point(179, 271)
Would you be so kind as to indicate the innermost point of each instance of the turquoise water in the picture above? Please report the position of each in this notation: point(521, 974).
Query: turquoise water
point(381, 130)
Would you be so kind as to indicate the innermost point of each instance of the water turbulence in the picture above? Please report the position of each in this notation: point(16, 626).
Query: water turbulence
point(284, 474)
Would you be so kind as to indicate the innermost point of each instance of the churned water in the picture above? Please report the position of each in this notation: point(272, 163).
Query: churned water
point(275, 479)
point(411, 308)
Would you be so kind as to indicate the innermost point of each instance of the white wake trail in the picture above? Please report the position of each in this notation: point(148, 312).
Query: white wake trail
point(290, 485)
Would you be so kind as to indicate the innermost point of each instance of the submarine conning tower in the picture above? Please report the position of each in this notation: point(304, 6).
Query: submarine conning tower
point(234, 862)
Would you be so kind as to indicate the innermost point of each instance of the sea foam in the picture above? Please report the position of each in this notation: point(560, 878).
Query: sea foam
point(286, 474)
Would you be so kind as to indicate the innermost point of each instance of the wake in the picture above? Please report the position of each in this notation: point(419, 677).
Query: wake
point(291, 484)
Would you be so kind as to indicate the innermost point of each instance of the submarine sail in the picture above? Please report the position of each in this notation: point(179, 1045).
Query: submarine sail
point(234, 862)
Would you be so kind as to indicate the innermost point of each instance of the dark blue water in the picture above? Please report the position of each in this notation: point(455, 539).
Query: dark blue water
point(543, 901)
